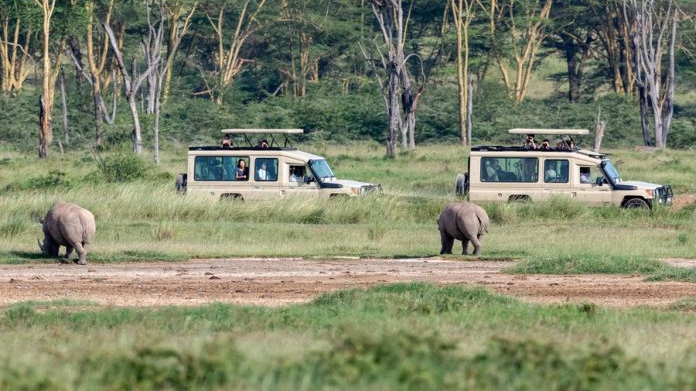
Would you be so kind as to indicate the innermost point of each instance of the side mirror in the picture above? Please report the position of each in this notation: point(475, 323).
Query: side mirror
point(599, 181)
point(308, 179)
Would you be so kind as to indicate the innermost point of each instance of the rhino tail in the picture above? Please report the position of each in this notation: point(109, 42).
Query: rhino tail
point(483, 222)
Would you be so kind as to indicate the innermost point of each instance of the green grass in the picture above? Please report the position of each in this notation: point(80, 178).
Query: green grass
point(406, 336)
point(145, 219)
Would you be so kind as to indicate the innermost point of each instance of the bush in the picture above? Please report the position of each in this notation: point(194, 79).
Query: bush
point(122, 168)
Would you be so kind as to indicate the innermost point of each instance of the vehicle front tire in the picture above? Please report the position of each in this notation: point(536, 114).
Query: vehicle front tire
point(636, 203)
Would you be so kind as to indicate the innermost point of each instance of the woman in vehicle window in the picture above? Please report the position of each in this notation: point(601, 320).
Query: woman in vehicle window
point(242, 172)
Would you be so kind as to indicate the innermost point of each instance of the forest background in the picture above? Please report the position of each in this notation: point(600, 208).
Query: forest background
point(190, 68)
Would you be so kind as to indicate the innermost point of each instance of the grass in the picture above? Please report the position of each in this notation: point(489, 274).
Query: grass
point(144, 219)
point(404, 336)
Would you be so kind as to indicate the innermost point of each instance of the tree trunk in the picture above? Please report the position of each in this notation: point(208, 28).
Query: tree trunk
point(45, 131)
point(394, 114)
point(64, 107)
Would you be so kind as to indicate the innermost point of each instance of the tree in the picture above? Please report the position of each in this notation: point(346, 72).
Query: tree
point(50, 74)
point(462, 14)
point(175, 10)
point(132, 85)
point(397, 93)
point(227, 60)
point(653, 36)
point(517, 28)
point(152, 49)
point(97, 58)
point(613, 32)
point(16, 34)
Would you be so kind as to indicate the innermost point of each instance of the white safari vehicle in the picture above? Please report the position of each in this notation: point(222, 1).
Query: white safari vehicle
point(532, 172)
point(262, 168)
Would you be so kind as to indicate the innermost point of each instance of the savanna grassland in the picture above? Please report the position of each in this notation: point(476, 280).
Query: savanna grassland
point(404, 336)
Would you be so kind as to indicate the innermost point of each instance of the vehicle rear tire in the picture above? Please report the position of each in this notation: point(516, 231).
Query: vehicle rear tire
point(233, 197)
point(636, 203)
point(519, 198)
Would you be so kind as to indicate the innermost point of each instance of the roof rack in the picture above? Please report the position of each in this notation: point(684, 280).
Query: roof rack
point(263, 143)
point(549, 131)
point(262, 131)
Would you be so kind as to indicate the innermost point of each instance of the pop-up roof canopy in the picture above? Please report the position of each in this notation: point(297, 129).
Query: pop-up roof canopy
point(549, 131)
point(263, 131)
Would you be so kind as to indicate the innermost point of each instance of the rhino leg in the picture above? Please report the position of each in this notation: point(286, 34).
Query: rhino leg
point(446, 241)
point(81, 253)
point(465, 246)
point(50, 247)
point(68, 251)
point(477, 245)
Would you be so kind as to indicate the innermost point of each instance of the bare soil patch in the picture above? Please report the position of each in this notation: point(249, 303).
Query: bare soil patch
point(277, 282)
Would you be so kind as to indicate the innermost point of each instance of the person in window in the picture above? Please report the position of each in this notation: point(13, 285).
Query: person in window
point(529, 142)
point(226, 141)
point(262, 173)
point(492, 171)
point(545, 145)
point(584, 175)
point(550, 175)
point(242, 172)
point(295, 174)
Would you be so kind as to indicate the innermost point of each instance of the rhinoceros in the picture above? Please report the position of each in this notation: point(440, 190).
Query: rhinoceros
point(68, 225)
point(462, 221)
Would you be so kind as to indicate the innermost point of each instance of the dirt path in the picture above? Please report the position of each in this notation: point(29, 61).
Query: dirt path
point(275, 282)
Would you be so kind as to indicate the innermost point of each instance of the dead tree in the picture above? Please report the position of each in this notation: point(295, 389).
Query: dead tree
point(396, 92)
point(152, 49)
point(654, 31)
point(132, 85)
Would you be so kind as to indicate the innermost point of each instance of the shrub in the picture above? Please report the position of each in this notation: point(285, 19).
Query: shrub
point(122, 168)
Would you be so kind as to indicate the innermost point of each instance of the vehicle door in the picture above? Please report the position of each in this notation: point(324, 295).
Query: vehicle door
point(556, 177)
point(590, 187)
point(265, 178)
point(294, 175)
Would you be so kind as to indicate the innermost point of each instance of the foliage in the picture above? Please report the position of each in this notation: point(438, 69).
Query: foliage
point(404, 336)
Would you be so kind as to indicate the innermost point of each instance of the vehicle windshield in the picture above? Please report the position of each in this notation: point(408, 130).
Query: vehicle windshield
point(321, 169)
point(611, 171)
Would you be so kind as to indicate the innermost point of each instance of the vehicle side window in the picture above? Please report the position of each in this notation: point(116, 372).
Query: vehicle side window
point(556, 171)
point(219, 168)
point(509, 169)
point(266, 170)
point(589, 175)
point(296, 173)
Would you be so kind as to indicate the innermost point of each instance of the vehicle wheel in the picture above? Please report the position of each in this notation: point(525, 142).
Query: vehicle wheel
point(233, 197)
point(636, 203)
point(519, 198)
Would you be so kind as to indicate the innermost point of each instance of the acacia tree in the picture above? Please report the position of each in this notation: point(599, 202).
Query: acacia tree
point(613, 32)
point(51, 71)
point(97, 58)
point(517, 29)
point(176, 12)
point(653, 36)
point(227, 60)
point(462, 14)
point(16, 35)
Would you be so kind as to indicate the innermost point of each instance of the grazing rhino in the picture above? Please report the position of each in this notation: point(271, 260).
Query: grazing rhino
point(462, 221)
point(67, 225)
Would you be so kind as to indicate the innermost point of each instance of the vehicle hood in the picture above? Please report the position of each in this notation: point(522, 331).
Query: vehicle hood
point(347, 182)
point(641, 185)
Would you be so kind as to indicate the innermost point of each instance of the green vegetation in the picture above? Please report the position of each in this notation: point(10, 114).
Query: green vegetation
point(140, 216)
point(406, 336)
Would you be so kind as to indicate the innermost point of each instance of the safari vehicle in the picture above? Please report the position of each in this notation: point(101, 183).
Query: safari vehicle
point(266, 169)
point(519, 173)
